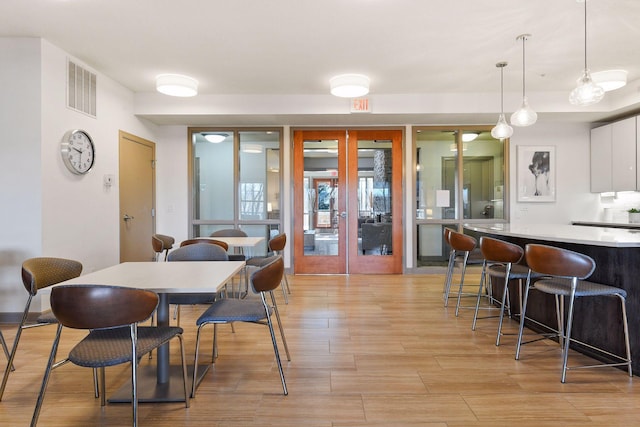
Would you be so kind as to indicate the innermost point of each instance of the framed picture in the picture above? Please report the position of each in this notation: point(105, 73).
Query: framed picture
point(536, 173)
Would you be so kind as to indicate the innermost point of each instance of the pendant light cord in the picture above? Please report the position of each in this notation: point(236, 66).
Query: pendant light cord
point(585, 34)
point(523, 73)
point(502, 90)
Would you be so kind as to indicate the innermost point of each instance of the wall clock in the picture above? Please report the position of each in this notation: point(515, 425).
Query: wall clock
point(78, 151)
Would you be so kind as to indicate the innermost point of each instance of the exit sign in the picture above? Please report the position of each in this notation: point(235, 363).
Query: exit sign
point(360, 105)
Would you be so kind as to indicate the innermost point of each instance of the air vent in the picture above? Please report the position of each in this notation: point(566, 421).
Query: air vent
point(81, 89)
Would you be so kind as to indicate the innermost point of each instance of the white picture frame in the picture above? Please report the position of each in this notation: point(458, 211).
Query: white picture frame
point(536, 173)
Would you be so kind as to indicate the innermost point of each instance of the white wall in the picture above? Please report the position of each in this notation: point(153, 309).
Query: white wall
point(47, 211)
point(573, 199)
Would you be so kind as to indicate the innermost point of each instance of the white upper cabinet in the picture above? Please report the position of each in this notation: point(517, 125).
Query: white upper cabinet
point(614, 157)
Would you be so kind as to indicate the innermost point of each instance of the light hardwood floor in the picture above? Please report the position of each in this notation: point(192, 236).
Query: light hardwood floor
point(366, 351)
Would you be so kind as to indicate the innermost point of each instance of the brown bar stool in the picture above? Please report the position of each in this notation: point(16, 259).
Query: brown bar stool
point(457, 257)
point(568, 271)
point(500, 261)
point(162, 243)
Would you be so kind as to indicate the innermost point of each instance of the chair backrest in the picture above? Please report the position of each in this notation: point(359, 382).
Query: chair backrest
point(269, 276)
point(161, 242)
point(500, 251)
point(228, 232)
point(101, 306)
point(461, 242)
point(447, 235)
point(558, 262)
point(187, 242)
point(199, 252)
point(277, 243)
point(41, 272)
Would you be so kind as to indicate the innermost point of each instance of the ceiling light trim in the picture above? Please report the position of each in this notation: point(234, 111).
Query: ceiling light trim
point(176, 85)
point(349, 85)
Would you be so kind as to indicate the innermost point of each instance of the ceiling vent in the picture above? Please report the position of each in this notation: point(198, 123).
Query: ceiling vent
point(81, 89)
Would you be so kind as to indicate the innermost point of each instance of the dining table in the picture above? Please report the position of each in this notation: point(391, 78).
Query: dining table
point(162, 382)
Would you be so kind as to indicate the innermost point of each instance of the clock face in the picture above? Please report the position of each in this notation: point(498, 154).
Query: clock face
point(78, 151)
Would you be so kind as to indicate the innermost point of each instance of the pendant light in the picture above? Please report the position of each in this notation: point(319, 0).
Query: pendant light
point(587, 92)
point(524, 116)
point(502, 129)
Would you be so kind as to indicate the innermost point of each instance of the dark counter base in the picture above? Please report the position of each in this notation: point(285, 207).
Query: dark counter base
point(597, 320)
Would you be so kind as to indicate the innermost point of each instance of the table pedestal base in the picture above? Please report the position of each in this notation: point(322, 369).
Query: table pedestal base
point(149, 391)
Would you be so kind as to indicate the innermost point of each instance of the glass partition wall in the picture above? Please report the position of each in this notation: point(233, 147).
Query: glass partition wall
point(460, 178)
point(235, 178)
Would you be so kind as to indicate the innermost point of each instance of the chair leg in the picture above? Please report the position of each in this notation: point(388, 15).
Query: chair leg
point(195, 361)
point(277, 313)
point(286, 283)
point(184, 371)
point(523, 312)
point(134, 374)
point(482, 276)
point(14, 348)
point(505, 293)
point(45, 379)
point(96, 390)
point(567, 337)
point(626, 334)
point(6, 350)
point(448, 277)
point(464, 268)
point(103, 387)
point(275, 347)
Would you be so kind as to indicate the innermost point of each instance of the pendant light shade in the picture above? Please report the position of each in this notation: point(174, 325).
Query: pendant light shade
point(524, 116)
point(587, 91)
point(501, 130)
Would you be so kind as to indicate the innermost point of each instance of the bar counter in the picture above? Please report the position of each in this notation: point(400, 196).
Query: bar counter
point(616, 252)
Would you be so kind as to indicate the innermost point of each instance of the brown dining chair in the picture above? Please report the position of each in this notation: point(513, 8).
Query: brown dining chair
point(162, 244)
point(111, 314)
point(568, 272)
point(39, 273)
point(228, 310)
point(196, 240)
point(275, 246)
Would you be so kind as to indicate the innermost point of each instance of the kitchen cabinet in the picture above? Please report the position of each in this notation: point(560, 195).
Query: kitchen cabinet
point(614, 157)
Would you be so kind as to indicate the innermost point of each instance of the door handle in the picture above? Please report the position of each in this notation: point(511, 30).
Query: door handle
point(343, 214)
point(126, 217)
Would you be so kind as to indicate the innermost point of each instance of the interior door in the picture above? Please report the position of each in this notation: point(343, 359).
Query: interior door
point(137, 198)
point(348, 201)
point(319, 239)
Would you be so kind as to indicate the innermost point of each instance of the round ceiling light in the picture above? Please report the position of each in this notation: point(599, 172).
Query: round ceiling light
point(215, 137)
point(176, 85)
point(349, 85)
point(610, 79)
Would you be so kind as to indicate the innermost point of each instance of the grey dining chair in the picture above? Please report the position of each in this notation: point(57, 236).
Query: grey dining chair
point(227, 310)
point(275, 246)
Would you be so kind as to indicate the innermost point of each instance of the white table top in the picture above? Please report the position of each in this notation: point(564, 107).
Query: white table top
point(164, 277)
point(238, 242)
point(583, 235)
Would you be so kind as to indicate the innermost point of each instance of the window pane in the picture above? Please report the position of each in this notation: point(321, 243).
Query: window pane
point(213, 176)
point(259, 186)
point(436, 175)
point(483, 177)
point(432, 250)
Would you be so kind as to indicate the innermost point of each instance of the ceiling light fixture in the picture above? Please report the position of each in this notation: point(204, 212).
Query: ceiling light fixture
point(610, 79)
point(176, 85)
point(215, 137)
point(587, 92)
point(349, 85)
point(469, 136)
point(252, 148)
point(502, 129)
point(523, 116)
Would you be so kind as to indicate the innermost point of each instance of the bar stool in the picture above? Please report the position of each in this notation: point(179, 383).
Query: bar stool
point(568, 271)
point(457, 257)
point(500, 261)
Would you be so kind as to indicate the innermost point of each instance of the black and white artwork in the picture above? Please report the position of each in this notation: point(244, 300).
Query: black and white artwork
point(536, 174)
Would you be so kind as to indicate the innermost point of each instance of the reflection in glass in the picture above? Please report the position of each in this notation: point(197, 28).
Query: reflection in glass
point(374, 198)
point(445, 194)
point(320, 197)
point(213, 176)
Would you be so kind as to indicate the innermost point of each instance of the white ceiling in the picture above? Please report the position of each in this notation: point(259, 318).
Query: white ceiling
point(293, 47)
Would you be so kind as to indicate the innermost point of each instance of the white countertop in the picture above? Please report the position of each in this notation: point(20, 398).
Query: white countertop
point(582, 235)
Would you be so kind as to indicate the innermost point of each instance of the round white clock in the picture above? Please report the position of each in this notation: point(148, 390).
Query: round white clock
point(78, 151)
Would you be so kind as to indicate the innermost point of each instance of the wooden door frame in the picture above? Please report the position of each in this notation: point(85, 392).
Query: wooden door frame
point(377, 264)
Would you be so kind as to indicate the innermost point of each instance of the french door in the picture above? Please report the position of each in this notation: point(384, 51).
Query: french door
point(347, 201)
